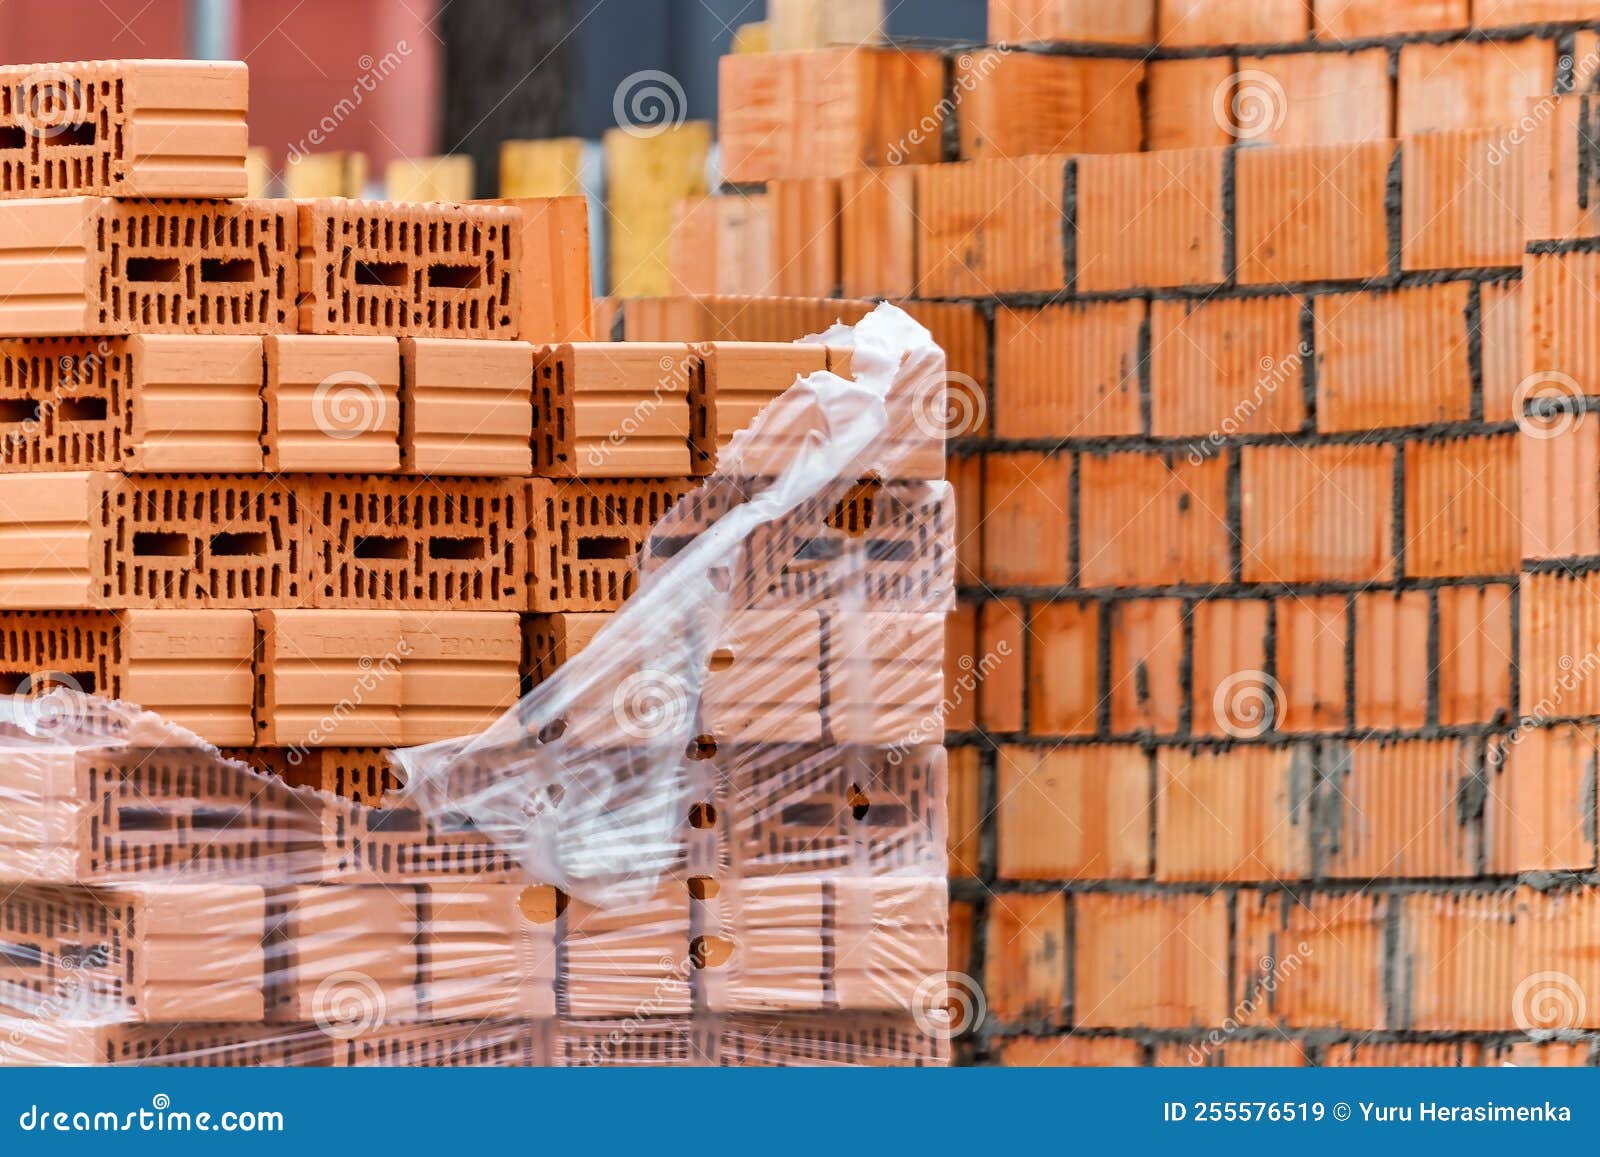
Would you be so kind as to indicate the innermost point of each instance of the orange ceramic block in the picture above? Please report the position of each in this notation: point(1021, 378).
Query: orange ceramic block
point(1025, 21)
point(585, 536)
point(1389, 809)
point(374, 542)
point(405, 678)
point(120, 267)
point(766, 682)
point(466, 407)
point(146, 403)
point(550, 640)
point(1473, 85)
point(612, 410)
point(993, 226)
point(733, 381)
point(805, 236)
point(112, 541)
point(888, 938)
point(1074, 812)
point(826, 113)
point(1150, 961)
point(124, 128)
point(1150, 220)
point(1312, 213)
point(409, 269)
point(555, 282)
point(1016, 104)
point(1318, 959)
point(332, 403)
point(762, 944)
point(1313, 98)
point(885, 678)
point(135, 953)
point(620, 958)
point(488, 951)
point(1236, 815)
point(346, 952)
point(877, 232)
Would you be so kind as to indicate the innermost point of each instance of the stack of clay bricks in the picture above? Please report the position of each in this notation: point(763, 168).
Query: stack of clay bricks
point(319, 479)
point(1272, 691)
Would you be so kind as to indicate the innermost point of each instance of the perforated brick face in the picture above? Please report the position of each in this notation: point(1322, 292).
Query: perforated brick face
point(413, 270)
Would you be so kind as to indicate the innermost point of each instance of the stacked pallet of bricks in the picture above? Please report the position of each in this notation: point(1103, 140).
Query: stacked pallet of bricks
point(1270, 704)
point(317, 480)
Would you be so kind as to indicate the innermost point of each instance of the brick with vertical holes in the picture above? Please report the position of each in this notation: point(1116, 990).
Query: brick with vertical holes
point(1461, 506)
point(1397, 808)
point(1150, 961)
point(1074, 812)
point(1023, 529)
point(1312, 632)
point(1238, 815)
point(1392, 659)
point(1025, 974)
point(1539, 813)
point(1313, 98)
point(1150, 220)
point(1471, 84)
point(1336, 944)
point(1321, 513)
point(1312, 212)
point(1146, 691)
point(1226, 367)
point(1067, 371)
point(1229, 667)
point(1063, 666)
point(1475, 655)
point(1017, 104)
point(1150, 519)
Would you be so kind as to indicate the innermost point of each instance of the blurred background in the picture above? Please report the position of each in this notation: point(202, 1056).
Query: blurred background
point(412, 78)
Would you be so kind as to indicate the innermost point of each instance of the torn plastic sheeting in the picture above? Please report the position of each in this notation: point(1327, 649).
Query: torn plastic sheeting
point(587, 779)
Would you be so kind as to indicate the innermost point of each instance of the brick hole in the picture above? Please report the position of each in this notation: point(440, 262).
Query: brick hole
point(382, 546)
point(859, 803)
point(79, 135)
point(811, 815)
point(710, 951)
point(153, 544)
point(211, 819)
point(154, 269)
point(20, 955)
point(541, 903)
point(721, 659)
point(81, 410)
point(15, 411)
point(443, 276)
point(703, 888)
point(13, 137)
point(703, 815)
point(143, 819)
point(215, 269)
point(239, 544)
point(391, 273)
point(395, 819)
point(702, 747)
point(552, 731)
point(604, 546)
point(456, 549)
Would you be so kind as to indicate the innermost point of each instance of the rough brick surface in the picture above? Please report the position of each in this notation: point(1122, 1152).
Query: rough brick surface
point(1397, 358)
point(1317, 514)
point(612, 409)
point(124, 128)
point(409, 270)
point(990, 227)
point(1074, 813)
point(1068, 371)
point(332, 403)
point(466, 407)
point(585, 537)
point(1149, 220)
point(120, 267)
point(1150, 961)
point(1152, 520)
point(1024, 104)
point(1312, 212)
point(1314, 98)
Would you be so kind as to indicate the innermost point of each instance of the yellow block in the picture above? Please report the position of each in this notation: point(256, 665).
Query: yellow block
point(753, 37)
point(802, 25)
point(648, 171)
point(257, 172)
point(430, 179)
point(552, 168)
point(326, 175)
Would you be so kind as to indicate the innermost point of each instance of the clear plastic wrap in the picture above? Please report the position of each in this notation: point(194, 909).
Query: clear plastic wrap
point(713, 835)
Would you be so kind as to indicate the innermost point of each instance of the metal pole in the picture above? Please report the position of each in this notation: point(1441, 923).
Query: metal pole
point(211, 25)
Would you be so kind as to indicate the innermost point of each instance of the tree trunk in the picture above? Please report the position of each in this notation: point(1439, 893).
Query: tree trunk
point(507, 76)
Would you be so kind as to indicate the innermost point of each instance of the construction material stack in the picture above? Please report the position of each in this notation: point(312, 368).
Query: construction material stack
point(313, 481)
point(1270, 714)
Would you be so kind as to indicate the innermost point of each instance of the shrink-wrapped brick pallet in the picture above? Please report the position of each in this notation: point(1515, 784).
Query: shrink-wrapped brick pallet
point(323, 481)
